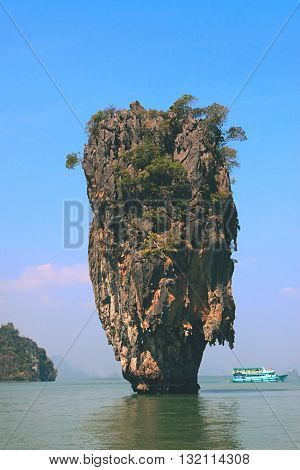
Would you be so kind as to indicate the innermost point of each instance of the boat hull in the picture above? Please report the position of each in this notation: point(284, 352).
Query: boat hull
point(276, 378)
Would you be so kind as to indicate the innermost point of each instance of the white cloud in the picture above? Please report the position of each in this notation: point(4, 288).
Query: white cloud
point(291, 291)
point(47, 275)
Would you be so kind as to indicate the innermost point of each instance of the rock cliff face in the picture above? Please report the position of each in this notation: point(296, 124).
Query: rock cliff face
point(161, 239)
point(21, 359)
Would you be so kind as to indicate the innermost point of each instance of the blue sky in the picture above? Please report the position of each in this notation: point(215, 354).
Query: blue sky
point(101, 53)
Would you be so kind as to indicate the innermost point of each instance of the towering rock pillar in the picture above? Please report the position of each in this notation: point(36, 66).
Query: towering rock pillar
point(161, 239)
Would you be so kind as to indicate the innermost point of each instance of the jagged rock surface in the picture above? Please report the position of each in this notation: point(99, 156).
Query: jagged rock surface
point(159, 310)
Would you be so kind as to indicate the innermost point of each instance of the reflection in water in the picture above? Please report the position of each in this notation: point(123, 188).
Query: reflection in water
point(166, 422)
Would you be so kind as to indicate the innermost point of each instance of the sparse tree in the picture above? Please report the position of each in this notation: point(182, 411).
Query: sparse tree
point(183, 105)
point(73, 160)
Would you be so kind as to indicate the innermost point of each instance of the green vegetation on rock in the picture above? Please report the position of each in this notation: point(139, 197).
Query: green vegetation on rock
point(212, 119)
point(93, 124)
point(182, 107)
point(21, 359)
point(156, 243)
point(72, 160)
point(151, 169)
point(221, 195)
point(156, 175)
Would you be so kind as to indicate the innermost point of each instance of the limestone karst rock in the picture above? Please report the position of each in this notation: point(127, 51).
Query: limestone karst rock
point(21, 359)
point(161, 239)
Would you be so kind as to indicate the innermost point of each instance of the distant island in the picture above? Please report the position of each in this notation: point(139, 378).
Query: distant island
point(21, 359)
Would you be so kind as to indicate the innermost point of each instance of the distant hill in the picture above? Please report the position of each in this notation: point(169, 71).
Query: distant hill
point(21, 359)
point(68, 372)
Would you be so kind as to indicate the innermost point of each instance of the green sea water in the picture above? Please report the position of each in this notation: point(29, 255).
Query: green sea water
point(105, 414)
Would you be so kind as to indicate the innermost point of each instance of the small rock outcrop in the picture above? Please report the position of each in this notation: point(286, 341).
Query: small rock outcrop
point(21, 359)
point(164, 228)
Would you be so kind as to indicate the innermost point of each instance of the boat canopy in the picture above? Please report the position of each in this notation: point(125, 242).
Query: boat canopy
point(252, 370)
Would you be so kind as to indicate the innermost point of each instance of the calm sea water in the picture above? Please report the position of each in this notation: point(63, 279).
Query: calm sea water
point(105, 414)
